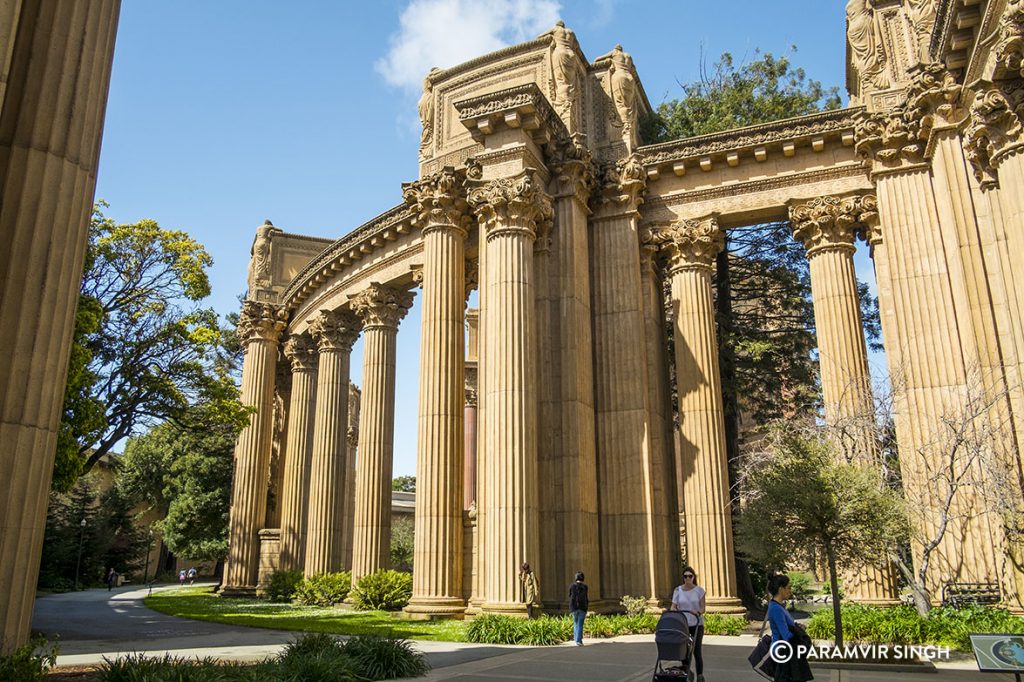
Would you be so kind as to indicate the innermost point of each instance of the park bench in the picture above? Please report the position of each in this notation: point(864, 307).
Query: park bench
point(959, 595)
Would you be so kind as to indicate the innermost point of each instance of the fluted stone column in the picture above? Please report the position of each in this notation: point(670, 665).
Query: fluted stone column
point(933, 356)
point(631, 553)
point(279, 444)
point(302, 354)
point(335, 331)
point(259, 329)
point(441, 212)
point(827, 227)
point(469, 472)
point(571, 442)
point(510, 209)
point(381, 308)
point(352, 454)
point(54, 71)
point(691, 247)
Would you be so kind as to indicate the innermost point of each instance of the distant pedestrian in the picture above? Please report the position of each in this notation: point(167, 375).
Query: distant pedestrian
point(531, 590)
point(690, 599)
point(192, 576)
point(181, 577)
point(579, 603)
point(111, 579)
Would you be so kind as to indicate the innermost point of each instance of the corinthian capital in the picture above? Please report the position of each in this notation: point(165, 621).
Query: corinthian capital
point(993, 131)
point(829, 222)
point(689, 244)
point(1010, 46)
point(301, 352)
point(932, 98)
point(623, 183)
point(261, 321)
point(381, 306)
point(889, 139)
point(572, 167)
point(438, 202)
point(335, 330)
point(515, 204)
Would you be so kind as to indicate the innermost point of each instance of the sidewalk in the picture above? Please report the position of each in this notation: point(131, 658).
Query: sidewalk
point(95, 624)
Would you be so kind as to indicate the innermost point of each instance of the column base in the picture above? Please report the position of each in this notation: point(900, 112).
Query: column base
point(434, 608)
point(657, 605)
point(514, 609)
point(729, 606)
point(238, 591)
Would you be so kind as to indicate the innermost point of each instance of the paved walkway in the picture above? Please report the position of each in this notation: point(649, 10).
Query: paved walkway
point(96, 623)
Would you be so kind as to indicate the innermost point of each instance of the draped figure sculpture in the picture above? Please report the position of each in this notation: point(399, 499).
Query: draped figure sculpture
point(865, 44)
point(623, 90)
point(564, 73)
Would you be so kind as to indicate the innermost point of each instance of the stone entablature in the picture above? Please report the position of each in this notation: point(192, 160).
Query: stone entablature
point(523, 106)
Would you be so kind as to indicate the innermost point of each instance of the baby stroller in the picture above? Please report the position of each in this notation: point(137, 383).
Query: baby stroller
point(673, 639)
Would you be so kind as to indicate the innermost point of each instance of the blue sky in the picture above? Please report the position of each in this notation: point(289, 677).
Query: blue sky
point(225, 112)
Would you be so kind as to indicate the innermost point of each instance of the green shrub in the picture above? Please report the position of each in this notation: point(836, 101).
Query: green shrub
point(493, 629)
point(904, 625)
point(545, 631)
point(315, 657)
point(138, 668)
point(718, 624)
point(800, 583)
point(634, 605)
point(382, 591)
point(282, 584)
point(324, 589)
point(614, 626)
point(385, 658)
point(25, 664)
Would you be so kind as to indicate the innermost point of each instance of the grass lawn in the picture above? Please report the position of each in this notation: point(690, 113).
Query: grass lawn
point(200, 603)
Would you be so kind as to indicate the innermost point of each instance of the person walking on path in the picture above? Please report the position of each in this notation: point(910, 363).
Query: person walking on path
point(690, 599)
point(785, 629)
point(192, 575)
point(531, 590)
point(111, 579)
point(181, 577)
point(579, 603)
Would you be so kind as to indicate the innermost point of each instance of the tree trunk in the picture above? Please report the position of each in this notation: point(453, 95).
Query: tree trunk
point(922, 599)
point(833, 577)
point(727, 372)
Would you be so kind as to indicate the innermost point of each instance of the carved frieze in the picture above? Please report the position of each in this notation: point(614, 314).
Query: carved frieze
point(380, 305)
point(523, 106)
point(261, 321)
point(335, 330)
point(438, 202)
point(994, 129)
point(516, 204)
point(688, 244)
point(301, 352)
point(830, 222)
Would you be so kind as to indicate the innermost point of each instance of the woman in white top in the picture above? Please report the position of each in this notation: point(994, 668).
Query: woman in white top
point(689, 598)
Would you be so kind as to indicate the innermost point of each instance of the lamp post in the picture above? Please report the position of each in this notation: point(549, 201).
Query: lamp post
point(78, 564)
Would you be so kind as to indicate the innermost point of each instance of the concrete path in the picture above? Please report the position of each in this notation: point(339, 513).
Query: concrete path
point(96, 623)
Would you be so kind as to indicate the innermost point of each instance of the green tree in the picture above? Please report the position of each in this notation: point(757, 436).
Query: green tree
point(402, 533)
point(800, 495)
point(404, 484)
point(184, 475)
point(145, 351)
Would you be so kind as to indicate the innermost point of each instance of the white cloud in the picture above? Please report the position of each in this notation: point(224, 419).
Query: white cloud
point(447, 32)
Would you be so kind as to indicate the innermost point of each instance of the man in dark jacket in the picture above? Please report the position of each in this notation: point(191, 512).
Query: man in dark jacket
point(579, 602)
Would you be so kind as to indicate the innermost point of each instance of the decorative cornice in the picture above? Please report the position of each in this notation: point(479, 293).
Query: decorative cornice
point(778, 132)
point(830, 223)
point(994, 130)
point(439, 202)
point(301, 352)
point(688, 244)
point(572, 168)
point(379, 305)
point(522, 106)
point(261, 321)
point(516, 204)
point(335, 330)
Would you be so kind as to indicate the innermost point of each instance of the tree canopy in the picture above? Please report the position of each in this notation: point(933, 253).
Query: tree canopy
point(144, 350)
